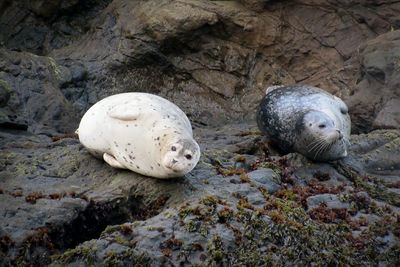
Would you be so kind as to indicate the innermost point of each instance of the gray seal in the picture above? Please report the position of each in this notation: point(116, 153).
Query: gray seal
point(307, 120)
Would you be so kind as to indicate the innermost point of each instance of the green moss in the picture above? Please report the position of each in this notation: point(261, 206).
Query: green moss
point(203, 230)
point(122, 241)
point(109, 230)
point(382, 227)
point(371, 185)
point(3, 116)
point(215, 250)
point(294, 239)
point(111, 259)
point(55, 68)
point(243, 203)
point(250, 255)
point(287, 194)
point(282, 233)
point(210, 201)
point(22, 169)
point(391, 256)
point(191, 226)
point(377, 191)
point(5, 86)
point(83, 252)
point(126, 258)
point(154, 228)
point(68, 167)
point(225, 215)
point(184, 211)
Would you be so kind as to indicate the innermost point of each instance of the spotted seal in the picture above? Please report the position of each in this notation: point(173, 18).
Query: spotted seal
point(141, 132)
point(307, 120)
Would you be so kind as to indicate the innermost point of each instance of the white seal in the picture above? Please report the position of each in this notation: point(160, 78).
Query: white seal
point(141, 132)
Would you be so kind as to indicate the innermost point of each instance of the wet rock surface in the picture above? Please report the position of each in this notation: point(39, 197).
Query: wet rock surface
point(233, 208)
point(244, 204)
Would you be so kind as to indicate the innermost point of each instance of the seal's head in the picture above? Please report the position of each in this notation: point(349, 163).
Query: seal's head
point(180, 157)
point(323, 139)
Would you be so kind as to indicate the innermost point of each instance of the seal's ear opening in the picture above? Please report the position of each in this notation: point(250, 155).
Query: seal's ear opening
point(344, 110)
point(124, 112)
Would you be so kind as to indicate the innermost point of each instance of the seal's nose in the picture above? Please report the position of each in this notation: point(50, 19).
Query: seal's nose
point(174, 161)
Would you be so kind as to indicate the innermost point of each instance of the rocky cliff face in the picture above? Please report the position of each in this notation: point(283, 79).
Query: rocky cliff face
point(214, 59)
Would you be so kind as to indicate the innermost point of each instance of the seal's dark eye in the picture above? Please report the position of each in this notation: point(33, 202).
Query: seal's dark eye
point(322, 126)
point(189, 157)
point(343, 111)
point(173, 148)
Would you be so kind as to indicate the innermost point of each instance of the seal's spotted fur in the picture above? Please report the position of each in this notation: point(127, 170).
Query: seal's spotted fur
point(288, 114)
point(141, 132)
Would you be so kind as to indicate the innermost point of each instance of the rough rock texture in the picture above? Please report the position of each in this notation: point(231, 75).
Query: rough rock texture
point(32, 97)
point(376, 96)
point(215, 58)
point(243, 204)
point(54, 195)
point(236, 207)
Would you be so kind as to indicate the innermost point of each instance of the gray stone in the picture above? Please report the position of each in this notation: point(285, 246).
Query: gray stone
point(389, 116)
point(374, 101)
point(222, 83)
point(29, 103)
point(332, 201)
point(266, 178)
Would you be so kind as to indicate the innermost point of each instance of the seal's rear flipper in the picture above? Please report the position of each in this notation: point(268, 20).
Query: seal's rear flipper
point(271, 88)
point(112, 161)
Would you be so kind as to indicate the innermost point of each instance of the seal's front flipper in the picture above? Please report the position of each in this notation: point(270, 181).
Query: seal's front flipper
point(112, 161)
point(125, 112)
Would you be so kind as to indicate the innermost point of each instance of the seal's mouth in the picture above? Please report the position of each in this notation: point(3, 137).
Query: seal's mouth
point(322, 145)
point(174, 166)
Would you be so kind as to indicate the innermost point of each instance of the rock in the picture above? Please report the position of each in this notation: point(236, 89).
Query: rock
point(374, 100)
point(373, 164)
point(27, 106)
point(78, 73)
point(222, 83)
point(5, 93)
point(388, 117)
point(266, 178)
point(44, 9)
point(257, 5)
point(188, 214)
point(243, 71)
point(331, 201)
point(169, 20)
point(44, 26)
point(323, 172)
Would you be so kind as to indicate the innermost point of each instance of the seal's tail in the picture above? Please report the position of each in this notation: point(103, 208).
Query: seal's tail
point(271, 88)
point(77, 131)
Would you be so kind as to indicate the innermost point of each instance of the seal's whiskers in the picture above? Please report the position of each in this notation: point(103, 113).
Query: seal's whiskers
point(322, 146)
point(316, 144)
